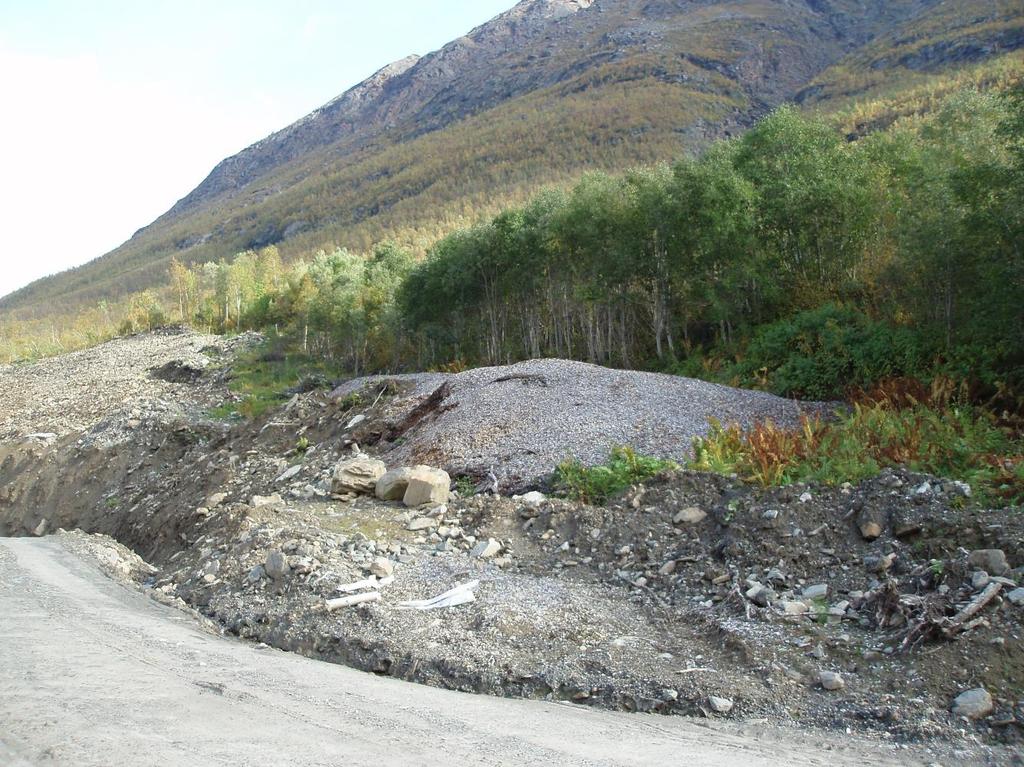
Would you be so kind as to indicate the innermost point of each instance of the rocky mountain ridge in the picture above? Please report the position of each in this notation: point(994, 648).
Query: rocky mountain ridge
point(538, 95)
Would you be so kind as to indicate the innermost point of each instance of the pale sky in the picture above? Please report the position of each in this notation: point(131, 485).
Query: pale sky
point(112, 110)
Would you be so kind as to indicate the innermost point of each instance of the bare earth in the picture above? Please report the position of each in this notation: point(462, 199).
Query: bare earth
point(94, 673)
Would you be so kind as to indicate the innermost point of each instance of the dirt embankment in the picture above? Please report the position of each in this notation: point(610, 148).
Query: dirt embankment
point(692, 594)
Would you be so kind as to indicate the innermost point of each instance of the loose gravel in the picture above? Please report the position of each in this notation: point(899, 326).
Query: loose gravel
point(520, 421)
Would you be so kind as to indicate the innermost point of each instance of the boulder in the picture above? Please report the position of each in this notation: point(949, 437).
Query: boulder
point(357, 475)
point(990, 560)
point(392, 484)
point(427, 485)
point(973, 704)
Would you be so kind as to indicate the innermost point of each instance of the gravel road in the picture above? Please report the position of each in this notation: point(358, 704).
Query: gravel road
point(94, 673)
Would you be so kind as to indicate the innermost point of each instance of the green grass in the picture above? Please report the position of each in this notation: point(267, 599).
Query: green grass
point(597, 484)
point(961, 443)
point(261, 379)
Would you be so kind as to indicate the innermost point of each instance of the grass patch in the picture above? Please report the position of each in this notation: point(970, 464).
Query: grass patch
point(596, 484)
point(962, 443)
point(264, 378)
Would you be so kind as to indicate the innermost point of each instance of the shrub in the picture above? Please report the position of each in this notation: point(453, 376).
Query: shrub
point(822, 353)
point(597, 484)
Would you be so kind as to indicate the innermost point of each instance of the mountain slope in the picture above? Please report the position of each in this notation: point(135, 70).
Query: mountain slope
point(538, 95)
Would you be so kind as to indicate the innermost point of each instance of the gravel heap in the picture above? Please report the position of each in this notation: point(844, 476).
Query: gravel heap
point(522, 420)
point(71, 393)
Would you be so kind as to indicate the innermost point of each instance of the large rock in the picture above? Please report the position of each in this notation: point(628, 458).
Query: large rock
point(427, 486)
point(992, 561)
point(276, 565)
point(357, 475)
point(973, 704)
point(393, 484)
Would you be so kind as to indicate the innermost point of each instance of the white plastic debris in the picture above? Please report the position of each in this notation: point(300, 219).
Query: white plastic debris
point(355, 599)
point(370, 583)
point(459, 595)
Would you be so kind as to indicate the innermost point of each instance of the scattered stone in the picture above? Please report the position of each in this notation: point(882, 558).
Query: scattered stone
point(790, 607)
point(875, 563)
point(817, 591)
point(276, 565)
point(759, 595)
point(357, 475)
point(486, 549)
point(668, 568)
point(690, 516)
point(421, 523)
point(871, 522)
point(256, 574)
point(1016, 597)
point(533, 499)
point(40, 530)
point(259, 501)
point(973, 704)
point(831, 681)
point(805, 497)
point(979, 580)
point(427, 485)
point(382, 567)
point(355, 421)
point(720, 705)
point(990, 560)
point(290, 473)
point(215, 500)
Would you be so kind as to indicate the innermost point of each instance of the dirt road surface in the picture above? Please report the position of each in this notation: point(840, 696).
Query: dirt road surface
point(95, 673)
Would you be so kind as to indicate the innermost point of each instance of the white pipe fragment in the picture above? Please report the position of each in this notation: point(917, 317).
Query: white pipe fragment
point(369, 583)
point(355, 599)
point(459, 595)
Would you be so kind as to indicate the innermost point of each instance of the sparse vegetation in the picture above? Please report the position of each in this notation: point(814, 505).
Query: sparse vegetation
point(597, 484)
point(957, 442)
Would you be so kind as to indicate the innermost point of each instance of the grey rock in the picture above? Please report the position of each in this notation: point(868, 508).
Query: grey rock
point(690, 516)
point(259, 501)
point(421, 523)
point(276, 565)
point(817, 591)
point(257, 574)
point(486, 549)
point(720, 705)
point(973, 704)
point(990, 560)
point(790, 607)
point(1016, 597)
point(979, 580)
point(831, 681)
point(382, 567)
point(760, 595)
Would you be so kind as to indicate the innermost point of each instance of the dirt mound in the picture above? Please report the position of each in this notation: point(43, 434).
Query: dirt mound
point(520, 421)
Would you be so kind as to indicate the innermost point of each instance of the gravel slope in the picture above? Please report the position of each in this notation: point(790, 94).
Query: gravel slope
point(522, 420)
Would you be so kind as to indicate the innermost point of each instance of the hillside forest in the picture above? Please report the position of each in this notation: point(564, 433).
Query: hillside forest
point(794, 257)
